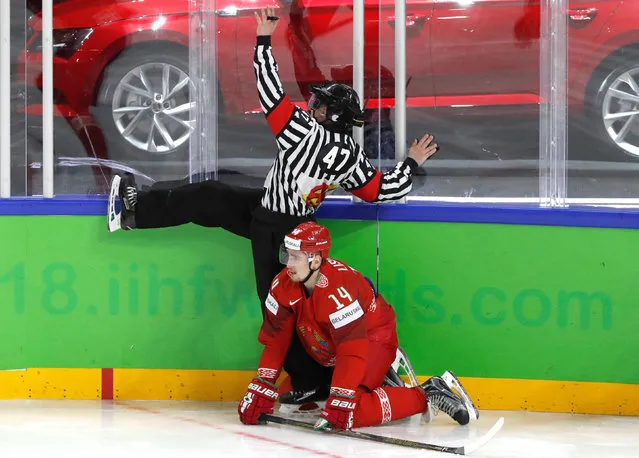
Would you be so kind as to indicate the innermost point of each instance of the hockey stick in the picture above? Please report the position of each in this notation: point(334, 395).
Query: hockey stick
point(462, 450)
point(264, 418)
point(470, 448)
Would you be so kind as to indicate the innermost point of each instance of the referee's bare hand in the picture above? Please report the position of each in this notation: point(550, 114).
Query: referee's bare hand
point(264, 25)
point(422, 149)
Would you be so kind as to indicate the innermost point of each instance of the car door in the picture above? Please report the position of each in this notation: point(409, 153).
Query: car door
point(485, 52)
point(588, 30)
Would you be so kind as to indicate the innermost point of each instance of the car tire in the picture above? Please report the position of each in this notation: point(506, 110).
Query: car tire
point(616, 133)
point(144, 108)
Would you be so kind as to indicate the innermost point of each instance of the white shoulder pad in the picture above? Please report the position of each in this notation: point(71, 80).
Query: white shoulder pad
point(271, 304)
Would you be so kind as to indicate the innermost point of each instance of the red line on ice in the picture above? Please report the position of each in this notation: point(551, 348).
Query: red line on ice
point(219, 428)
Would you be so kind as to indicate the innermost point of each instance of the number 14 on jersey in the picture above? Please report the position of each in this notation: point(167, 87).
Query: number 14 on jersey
point(344, 295)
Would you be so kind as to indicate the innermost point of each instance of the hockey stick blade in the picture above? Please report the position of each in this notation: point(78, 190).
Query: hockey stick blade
point(265, 418)
point(473, 446)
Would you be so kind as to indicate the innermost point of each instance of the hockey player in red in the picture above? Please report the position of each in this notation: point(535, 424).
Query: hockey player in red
point(341, 324)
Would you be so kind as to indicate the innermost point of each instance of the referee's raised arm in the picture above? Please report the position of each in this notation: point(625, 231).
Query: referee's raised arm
point(275, 104)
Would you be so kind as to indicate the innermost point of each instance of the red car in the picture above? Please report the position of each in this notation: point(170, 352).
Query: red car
point(127, 62)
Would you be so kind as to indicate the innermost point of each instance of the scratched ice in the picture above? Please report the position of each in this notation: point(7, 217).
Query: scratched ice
point(66, 429)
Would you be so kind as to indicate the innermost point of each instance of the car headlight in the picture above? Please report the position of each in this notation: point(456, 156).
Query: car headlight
point(65, 41)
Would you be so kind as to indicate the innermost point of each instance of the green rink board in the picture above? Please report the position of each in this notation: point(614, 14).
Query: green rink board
point(537, 302)
point(550, 303)
point(76, 296)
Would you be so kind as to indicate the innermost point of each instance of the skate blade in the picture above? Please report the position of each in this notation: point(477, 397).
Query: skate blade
point(427, 416)
point(401, 360)
point(454, 384)
point(311, 408)
point(114, 219)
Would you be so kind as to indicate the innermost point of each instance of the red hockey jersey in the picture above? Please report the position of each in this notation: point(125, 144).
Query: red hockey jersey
point(335, 324)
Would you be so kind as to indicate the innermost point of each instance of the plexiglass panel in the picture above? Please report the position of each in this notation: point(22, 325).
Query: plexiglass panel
point(483, 58)
point(167, 89)
point(121, 91)
point(603, 73)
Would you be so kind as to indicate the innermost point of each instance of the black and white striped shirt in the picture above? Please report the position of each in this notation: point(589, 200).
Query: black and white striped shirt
point(313, 161)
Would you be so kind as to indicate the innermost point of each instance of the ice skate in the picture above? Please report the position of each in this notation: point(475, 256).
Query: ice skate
point(123, 187)
point(304, 402)
point(441, 398)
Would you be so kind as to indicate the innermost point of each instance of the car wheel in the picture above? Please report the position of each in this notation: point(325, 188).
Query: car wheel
point(615, 110)
point(145, 107)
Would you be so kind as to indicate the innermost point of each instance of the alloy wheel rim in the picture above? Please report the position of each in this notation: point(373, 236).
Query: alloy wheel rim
point(152, 107)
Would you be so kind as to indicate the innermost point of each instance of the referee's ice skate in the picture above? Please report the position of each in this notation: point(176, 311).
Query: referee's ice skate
point(125, 188)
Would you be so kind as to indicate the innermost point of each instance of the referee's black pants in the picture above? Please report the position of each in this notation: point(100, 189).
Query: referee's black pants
point(237, 210)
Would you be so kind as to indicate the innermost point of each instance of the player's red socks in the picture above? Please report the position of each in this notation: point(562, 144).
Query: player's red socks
point(388, 403)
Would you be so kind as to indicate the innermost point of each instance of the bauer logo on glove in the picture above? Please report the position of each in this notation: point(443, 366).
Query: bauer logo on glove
point(343, 404)
point(337, 413)
point(264, 390)
point(259, 398)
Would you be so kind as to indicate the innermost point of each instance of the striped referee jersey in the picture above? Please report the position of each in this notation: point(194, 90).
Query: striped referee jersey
point(313, 161)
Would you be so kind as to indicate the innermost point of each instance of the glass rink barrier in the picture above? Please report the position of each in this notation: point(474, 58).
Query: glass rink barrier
point(529, 101)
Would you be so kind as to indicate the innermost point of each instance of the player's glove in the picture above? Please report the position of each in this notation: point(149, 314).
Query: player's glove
point(260, 398)
point(338, 412)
